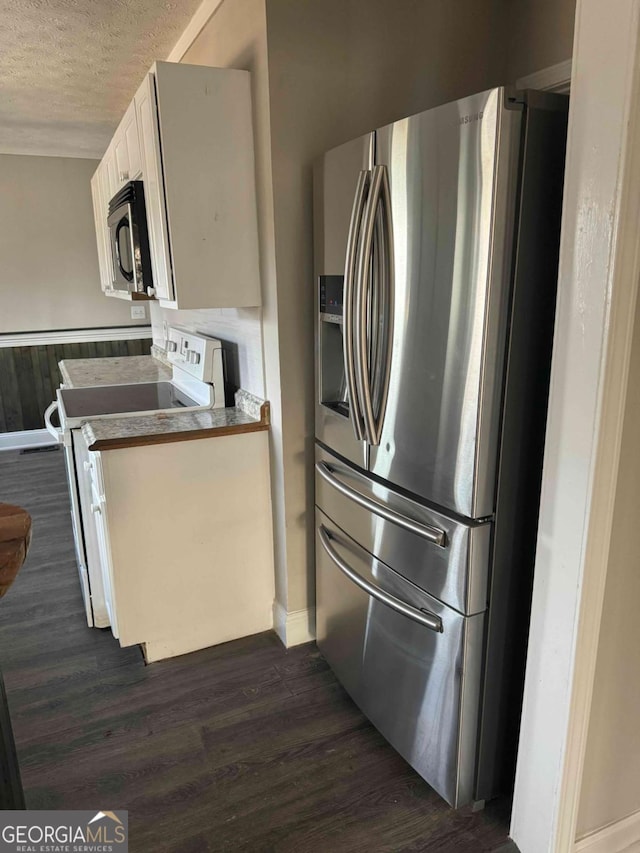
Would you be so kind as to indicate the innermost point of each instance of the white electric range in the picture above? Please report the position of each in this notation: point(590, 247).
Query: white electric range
point(197, 384)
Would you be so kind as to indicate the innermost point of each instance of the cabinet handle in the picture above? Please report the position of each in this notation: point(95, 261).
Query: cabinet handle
point(124, 176)
point(95, 508)
point(88, 466)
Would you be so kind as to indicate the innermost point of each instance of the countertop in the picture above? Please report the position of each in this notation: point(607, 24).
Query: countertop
point(83, 372)
point(250, 414)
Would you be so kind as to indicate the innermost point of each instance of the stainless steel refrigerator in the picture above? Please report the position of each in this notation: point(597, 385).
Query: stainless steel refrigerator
point(436, 249)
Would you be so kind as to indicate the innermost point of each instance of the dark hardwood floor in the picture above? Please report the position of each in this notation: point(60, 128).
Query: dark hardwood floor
point(242, 747)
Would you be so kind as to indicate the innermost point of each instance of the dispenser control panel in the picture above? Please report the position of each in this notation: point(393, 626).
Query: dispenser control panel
point(331, 289)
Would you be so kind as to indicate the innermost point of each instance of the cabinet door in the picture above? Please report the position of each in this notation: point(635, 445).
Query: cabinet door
point(105, 195)
point(83, 468)
point(127, 148)
point(146, 112)
point(100, 219)
point(130, 131)
point(99, 510)
point(121, 158)
point(111, 172)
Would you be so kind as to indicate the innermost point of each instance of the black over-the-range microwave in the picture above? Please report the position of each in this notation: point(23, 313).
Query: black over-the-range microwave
point(129, 240)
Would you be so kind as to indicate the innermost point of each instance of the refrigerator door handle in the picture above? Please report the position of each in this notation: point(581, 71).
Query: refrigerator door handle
point(378, 203)
point(387, 268)
point(363, 274)
point(350, 286)
point(432, 534)
point(423, 617)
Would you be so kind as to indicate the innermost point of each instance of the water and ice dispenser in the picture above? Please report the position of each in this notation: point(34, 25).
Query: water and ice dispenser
point(333, 386)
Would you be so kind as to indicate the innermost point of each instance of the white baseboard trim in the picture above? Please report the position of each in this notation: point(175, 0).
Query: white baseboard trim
point(25, 439)
point(614, 838)
point(295, 627)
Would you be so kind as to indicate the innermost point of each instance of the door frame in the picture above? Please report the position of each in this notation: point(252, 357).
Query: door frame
point(598, 285)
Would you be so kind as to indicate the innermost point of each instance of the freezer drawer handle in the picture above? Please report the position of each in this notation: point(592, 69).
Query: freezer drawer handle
point(432, 534)
point(423, 617)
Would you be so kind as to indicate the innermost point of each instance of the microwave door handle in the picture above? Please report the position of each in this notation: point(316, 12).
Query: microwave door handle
point(362, 338)
point(423, 617)
point(126, 221)
point(116, 243)
point(350, 286)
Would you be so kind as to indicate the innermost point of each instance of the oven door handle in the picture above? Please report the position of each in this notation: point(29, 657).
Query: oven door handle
point(55, 431)
point(423, 617)
point(432, 534)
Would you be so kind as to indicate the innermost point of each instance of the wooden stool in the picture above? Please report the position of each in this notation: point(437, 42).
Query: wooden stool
point(15, 537)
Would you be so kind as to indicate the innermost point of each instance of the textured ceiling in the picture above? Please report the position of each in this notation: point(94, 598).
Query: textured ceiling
point(69, 68)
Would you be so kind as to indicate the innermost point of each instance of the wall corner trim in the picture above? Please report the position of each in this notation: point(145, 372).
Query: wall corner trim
point(614, 838)
point(555, 78)
point(201, 16)
point(294, 627)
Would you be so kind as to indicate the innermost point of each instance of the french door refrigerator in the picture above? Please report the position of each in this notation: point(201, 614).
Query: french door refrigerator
point(436, 249)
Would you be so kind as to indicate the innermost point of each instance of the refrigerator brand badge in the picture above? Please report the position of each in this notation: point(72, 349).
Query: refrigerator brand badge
point(472, 117)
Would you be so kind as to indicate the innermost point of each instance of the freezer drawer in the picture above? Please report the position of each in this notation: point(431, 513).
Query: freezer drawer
point(446, 557)
point(411, 664)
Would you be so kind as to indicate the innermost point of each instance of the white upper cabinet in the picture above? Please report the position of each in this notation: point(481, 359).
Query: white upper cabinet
point(188, 136)
point(146, 113)
point(103, 187)
point(100, 216)
point(126, 148)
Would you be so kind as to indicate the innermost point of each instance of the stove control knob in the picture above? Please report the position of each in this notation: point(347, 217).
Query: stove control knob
point(193, 357)
point(172, 346)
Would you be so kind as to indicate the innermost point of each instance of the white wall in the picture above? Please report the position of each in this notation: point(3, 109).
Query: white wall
point(325, 71)
point(611, 776)
point(339, 68)
point(239, 328)
point(578, 518)
point(540, 35)
point(49, 276)
point(236, 37)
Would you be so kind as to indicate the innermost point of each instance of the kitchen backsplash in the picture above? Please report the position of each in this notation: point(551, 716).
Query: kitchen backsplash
point(240, 330)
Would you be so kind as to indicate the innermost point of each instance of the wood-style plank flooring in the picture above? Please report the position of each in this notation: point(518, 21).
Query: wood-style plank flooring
point(242, 747)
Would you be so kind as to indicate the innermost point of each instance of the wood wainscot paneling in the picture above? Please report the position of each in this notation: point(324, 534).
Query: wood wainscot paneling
point(29, 376)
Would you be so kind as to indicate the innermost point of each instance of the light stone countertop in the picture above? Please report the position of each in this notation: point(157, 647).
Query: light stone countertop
point(250, 414)
point(125, 370)
point(117, 433)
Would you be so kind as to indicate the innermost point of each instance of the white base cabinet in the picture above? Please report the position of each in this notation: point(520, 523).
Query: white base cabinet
point(184, 534)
